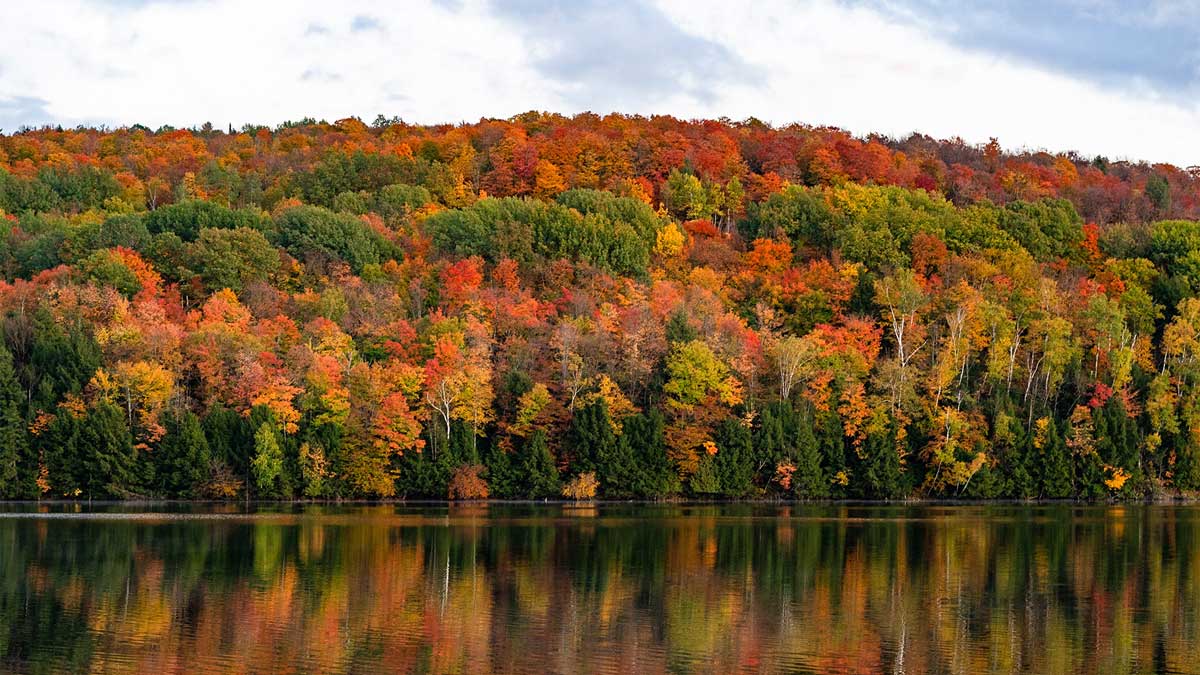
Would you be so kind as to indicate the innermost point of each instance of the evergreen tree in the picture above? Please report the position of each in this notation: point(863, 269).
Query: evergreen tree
point(879, 470)
point(503, 473)
point(590, 438)
point(734, 459)
point(645, 437)
point(809, 480)
point(772, 440)
point(89, 453)
point(831, 442)
point(17, 471)
point(230, 440)
point(183, 455)
point(706, 482)
point(1057, 481)
point(541, 476)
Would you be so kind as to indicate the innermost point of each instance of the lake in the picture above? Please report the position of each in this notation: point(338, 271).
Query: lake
point(610, 588)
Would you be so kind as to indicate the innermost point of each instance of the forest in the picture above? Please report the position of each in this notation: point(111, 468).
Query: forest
point(583, 307)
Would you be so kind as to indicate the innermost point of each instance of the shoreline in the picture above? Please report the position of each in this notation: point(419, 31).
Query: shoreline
point(1180, 500)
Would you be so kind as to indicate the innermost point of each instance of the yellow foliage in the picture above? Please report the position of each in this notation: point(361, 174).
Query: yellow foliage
point(581, 487)
point(669, 242)
point(1039, 432)
point(1116, 477)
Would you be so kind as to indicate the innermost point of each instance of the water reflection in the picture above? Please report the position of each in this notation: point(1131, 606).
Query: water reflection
point(600, 589)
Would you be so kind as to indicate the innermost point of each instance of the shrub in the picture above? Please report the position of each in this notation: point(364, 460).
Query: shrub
point(581, 487)
point(468, 483)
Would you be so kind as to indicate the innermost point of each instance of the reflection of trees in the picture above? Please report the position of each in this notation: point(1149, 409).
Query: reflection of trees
point(691, 589)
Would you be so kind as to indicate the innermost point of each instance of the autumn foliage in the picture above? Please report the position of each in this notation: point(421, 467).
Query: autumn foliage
point(590, 306)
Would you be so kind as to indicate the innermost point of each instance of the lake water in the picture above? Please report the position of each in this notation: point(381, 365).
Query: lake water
point(623, 589)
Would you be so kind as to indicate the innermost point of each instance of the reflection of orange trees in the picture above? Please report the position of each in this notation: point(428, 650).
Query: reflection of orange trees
point(717, 590)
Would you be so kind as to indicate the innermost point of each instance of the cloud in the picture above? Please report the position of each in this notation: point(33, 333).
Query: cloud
point(890, 66)
point(319, 75)
point(1114, 44)
point(18, 111)
point(602, 55)
point(363, 23)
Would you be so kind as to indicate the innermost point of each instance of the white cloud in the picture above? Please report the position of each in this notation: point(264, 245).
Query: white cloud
point(819, 61)
point(827, 63)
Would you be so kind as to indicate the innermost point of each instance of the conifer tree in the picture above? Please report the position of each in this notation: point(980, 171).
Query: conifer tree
point(541, 476)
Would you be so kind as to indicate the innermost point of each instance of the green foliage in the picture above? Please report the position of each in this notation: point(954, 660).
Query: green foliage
point(1048, 229)
point(339, 173)
point(1158, 191)
point(81, 187)
point(530, 231)
point(105, 268)
point(187, 218)
point(798, 213)
point(734, 462)
point(268, 461)
point(16, 472)
point(89, 453)
point(315, 233)
point(183, 457)
point(1057, 474)
point(619, 210)
point(642, 445)
point(541, 476)
point(231, 258)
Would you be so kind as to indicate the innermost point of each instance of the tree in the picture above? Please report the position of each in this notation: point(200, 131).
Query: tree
point(268, 460)
point(231, 258)
point(1057, 481)
point(18, 468)
point(183, 457)
point(541, 478)
point(315, 233)
point(793, 358)
point(734, 460)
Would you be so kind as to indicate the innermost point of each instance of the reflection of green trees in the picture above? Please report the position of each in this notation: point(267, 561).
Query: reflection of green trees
point(676, 588)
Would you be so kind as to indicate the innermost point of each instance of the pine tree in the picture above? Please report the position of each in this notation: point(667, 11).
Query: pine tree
point(705, 482)
point(809, 480)
point(1057, 481)
point(503, 473)
point(832, 445)
point(880, 467)
point(645, 437)
point(734, 458)
point(590, 438)
point(17, 471)
point(103, 447)
point(230, 440)
point(183, 455)
point(541, 476)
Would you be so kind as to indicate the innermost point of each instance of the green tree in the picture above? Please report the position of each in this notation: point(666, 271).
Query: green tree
point(183, 455)
point(1057, 481)
point(17, 467)
point(268, 460)
point(187, 218)
point(231, 258)
point(541, 476)
point(734, 461)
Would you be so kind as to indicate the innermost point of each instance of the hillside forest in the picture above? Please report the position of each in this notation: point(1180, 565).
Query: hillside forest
point(591, 307)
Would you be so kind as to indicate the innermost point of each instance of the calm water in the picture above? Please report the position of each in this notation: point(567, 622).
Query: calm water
point(605, 589)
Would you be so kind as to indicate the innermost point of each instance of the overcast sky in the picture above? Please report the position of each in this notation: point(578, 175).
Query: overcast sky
point(1097, 76)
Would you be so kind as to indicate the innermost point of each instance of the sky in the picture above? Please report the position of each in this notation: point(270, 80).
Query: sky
point(1094, 76)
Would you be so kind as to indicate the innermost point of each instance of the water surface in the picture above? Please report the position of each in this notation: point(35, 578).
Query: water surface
point(622, 589)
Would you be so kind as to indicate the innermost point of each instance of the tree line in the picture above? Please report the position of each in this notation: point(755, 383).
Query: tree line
point(590, 307)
